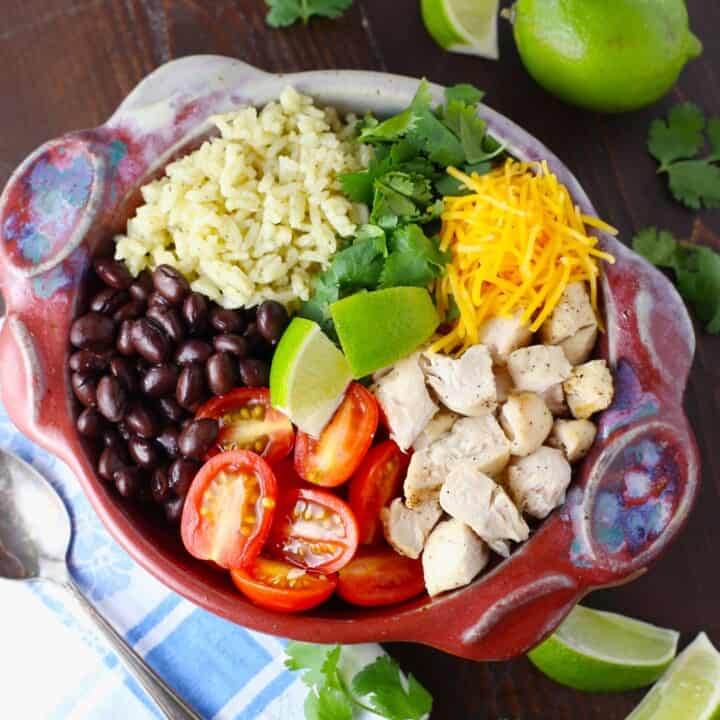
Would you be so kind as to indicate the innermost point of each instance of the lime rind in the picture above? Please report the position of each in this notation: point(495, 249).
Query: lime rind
point(463, 26)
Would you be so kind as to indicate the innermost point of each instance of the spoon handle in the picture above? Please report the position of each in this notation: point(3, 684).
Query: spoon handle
point(172, 706)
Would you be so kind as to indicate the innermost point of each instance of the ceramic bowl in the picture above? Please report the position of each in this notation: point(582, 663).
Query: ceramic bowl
point(629, 499)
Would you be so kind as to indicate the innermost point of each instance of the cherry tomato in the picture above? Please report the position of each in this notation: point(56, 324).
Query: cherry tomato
point(378, 480)
point(277, 585)
point(313, 529)
point(249, 422)
point(380, 577)
point(229, 509)
point(330, 460)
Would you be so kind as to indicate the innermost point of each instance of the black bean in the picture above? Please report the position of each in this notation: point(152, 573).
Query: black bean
point(226, 321)
point(127, 481)
point(144, 452)
point(192, 351)
point(170, 284)
point(168, 441)
point(90, 423)
point(108, 301)
point(85, 361)
point(125, 432)
point(254, 372)
point(111, 460)
point(171, 410)
point(169, 320)
point(221, 373)
point(196, 313)
point(92, 331)
point(157, 300)
point(191, 390)
point(111, 398)
point(150, 341)
point(111, 438)
point(174, 509)
point(124, 343)
point(124, 371)
point(84, 386)
point(256, 343)
point(160, 380)
point(159, 484)
point(129, 311)
point(227, 342)
point(181, 474)
point(272, 319)
point(198, 437)
point(142, 286)
point(142, 421)
point(113, 273)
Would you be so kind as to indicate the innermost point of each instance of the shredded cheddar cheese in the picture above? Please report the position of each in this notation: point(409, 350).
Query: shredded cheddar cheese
point(516, 242)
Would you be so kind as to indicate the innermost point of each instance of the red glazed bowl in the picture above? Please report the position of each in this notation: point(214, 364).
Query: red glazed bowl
point(629, 500)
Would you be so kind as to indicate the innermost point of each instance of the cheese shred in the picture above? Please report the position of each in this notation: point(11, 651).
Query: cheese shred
point(516, 241)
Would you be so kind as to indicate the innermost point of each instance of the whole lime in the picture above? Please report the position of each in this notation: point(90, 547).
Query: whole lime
point(606, 55)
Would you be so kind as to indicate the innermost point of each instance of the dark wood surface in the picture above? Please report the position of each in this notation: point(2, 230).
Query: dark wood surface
point(66, 64)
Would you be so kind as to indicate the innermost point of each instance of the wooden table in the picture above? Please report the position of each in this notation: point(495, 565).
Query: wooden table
point(66, 64)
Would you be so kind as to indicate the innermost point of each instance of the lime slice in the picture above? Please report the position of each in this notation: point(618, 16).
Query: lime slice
point(378, 328)
point(690, 689)
point(604, 652)
point(463, 26)
point(308, 376)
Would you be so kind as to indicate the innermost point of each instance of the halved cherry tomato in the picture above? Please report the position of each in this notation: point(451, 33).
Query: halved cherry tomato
point(380, 577)
point(334, 457)
point(378, 480)
point(313, 529)
point(277, 585)
point(249, 422)
point(229, 509)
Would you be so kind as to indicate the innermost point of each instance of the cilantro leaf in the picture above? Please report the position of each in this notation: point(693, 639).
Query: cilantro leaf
point(401, 124)
point(400, 197)
point(382, 684)
point(328, 704)
point(414, 259)
point(358, 186)
point(657, 247)
point(713, 133)
point(695, 183)
point(439, 142)
point(311, 658)
point(412, 239)
point(678, 137)
point(463, 93)
point(286, 12)
point(448, 185)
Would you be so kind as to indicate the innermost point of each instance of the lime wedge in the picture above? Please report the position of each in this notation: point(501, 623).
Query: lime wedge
point(690, 689)
point(308, 376)
point(604, 652)
point(463, 26)
point(378, 328)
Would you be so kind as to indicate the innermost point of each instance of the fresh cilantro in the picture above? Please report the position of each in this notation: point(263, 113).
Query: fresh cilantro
point(675, 144)
point(696, 269)
point(378, 688)
point(286, 12)
point(440, 144)
point(463, 93)
point(414, 258)
point(448, 185)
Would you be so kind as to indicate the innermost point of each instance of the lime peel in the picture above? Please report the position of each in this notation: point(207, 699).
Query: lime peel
point(463, 26)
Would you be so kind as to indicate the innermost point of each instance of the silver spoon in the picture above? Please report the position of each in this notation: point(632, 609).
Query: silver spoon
point(34, 540)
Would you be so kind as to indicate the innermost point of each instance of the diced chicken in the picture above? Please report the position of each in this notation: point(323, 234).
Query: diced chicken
point(503, 383)
point(477, 500)
point(479, 441)
point(407, 529)
point(554, 398)
point(589, 389)
point(573, 437)
point(405, 400)
point(537, 367)
point(537, 482)
point(438, 426)
point(466, 384)
point(454, 555)
point(526, 421)
point(578, 347)
point(504, 335)
point(572, 313)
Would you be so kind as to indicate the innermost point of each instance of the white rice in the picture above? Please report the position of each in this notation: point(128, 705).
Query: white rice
point(255, 213)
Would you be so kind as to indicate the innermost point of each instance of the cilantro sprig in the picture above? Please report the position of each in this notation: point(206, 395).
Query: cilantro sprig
point(675, 143)
point(379, 687)
point(283, 13)
point(696, 269)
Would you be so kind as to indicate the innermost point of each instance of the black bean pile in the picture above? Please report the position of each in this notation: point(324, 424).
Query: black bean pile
point(147, 354)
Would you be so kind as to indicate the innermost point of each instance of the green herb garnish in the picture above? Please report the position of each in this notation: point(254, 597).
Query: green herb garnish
point(286, 12)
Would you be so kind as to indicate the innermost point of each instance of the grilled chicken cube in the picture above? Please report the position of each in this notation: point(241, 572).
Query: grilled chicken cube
point(476, 499)
point(572, 313)
point(438, 426)
point(405, 400)
point(479, 441)
point(407, 529)
point(538, 367)
point(554, 398)
point(578, 347)
point(454, 555)
point(537, 482)
point(573, 437)
point(504, 335)
point(589, 389)
point(526, 421)
point(465, 385)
